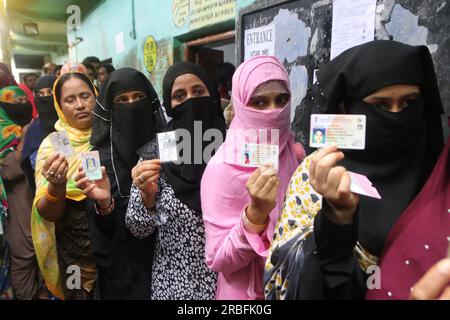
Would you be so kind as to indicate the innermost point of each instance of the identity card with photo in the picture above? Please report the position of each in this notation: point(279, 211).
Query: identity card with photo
point(91, 165)
point(61, 143)
point(258, 155)
point(346, 131)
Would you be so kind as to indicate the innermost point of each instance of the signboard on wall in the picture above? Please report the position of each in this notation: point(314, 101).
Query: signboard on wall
point(207, 12)
point(201, 13)
point(259, 41)
point(150, 54)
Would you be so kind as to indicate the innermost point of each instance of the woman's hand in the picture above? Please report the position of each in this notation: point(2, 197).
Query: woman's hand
point(55, 169)
point(435, 284)
point(98, 190)
point(333, 183)
point(262, 187)
point(145, 176)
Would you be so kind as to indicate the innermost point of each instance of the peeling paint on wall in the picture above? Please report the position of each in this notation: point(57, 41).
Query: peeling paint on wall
point(292, 35)
point(299, 84)
point(404, 27)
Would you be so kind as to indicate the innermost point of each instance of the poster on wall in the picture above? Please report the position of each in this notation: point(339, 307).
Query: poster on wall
point(150, 54)
point(353, 24)
point(180, 12)
point(259, 41)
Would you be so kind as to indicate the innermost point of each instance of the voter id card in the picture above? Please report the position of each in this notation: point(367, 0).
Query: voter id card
point(257, 155)
point(61, 143)
point(91, 165)
point(346, 131)
point(167, 146)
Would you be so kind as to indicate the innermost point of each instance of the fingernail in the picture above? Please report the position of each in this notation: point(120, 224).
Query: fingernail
point(444, 266)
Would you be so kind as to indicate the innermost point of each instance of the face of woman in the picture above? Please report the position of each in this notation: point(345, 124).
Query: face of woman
point(102, 74)
point(77, 102)
point(187, 86)
point(393, 98)
point(318, 136)
point(44, 92)
point(129, 97)
point(269, 96)
point(21, 99)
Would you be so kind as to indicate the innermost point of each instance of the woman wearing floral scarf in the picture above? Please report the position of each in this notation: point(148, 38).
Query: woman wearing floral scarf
point(16, 196)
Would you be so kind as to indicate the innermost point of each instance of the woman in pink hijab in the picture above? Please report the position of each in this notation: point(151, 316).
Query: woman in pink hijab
point(241, 203)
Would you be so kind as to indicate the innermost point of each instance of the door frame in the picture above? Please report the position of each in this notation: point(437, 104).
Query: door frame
point(206, 40)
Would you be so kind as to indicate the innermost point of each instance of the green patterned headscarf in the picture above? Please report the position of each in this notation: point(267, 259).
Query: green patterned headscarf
point(9, 94)
point(10, 134)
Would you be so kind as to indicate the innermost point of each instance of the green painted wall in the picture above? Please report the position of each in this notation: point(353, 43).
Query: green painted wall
point(152, 18)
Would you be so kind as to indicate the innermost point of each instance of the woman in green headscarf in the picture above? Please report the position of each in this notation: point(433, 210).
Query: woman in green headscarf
point(15, 193)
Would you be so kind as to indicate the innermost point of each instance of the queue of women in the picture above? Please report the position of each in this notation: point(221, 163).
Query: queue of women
point(215, 228)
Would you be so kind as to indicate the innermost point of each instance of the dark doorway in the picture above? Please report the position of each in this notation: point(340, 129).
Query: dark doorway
point(212, 51)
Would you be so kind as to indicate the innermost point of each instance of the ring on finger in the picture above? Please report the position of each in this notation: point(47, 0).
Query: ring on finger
point(58, 177)
point(51, 173)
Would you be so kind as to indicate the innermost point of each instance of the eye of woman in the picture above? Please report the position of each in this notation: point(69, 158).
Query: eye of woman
point(140, 96)
point(282, 99)
point(121, 99)
point(380, 105)
point(408, 102)
point(179, 95)
point(85, 95)
point(22, 99)
point(259, 102)
point(198, 91)
point(39, 94)
point(69, 99)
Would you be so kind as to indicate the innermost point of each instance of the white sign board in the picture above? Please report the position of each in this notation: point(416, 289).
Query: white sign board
point(259, 41)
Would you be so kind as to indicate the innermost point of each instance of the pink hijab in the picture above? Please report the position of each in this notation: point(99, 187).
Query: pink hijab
point(223, 191)
point(420, 238)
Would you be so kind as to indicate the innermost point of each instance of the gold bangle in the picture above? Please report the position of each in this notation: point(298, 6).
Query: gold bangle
point(50, 198)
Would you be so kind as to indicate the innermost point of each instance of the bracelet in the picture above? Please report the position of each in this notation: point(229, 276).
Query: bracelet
point(107, 211)
point(250, 226)
point(50, 198)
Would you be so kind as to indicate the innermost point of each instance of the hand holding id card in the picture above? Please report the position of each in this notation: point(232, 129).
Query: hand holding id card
point(346, 131)
point(91, 165)
point(61, 143)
